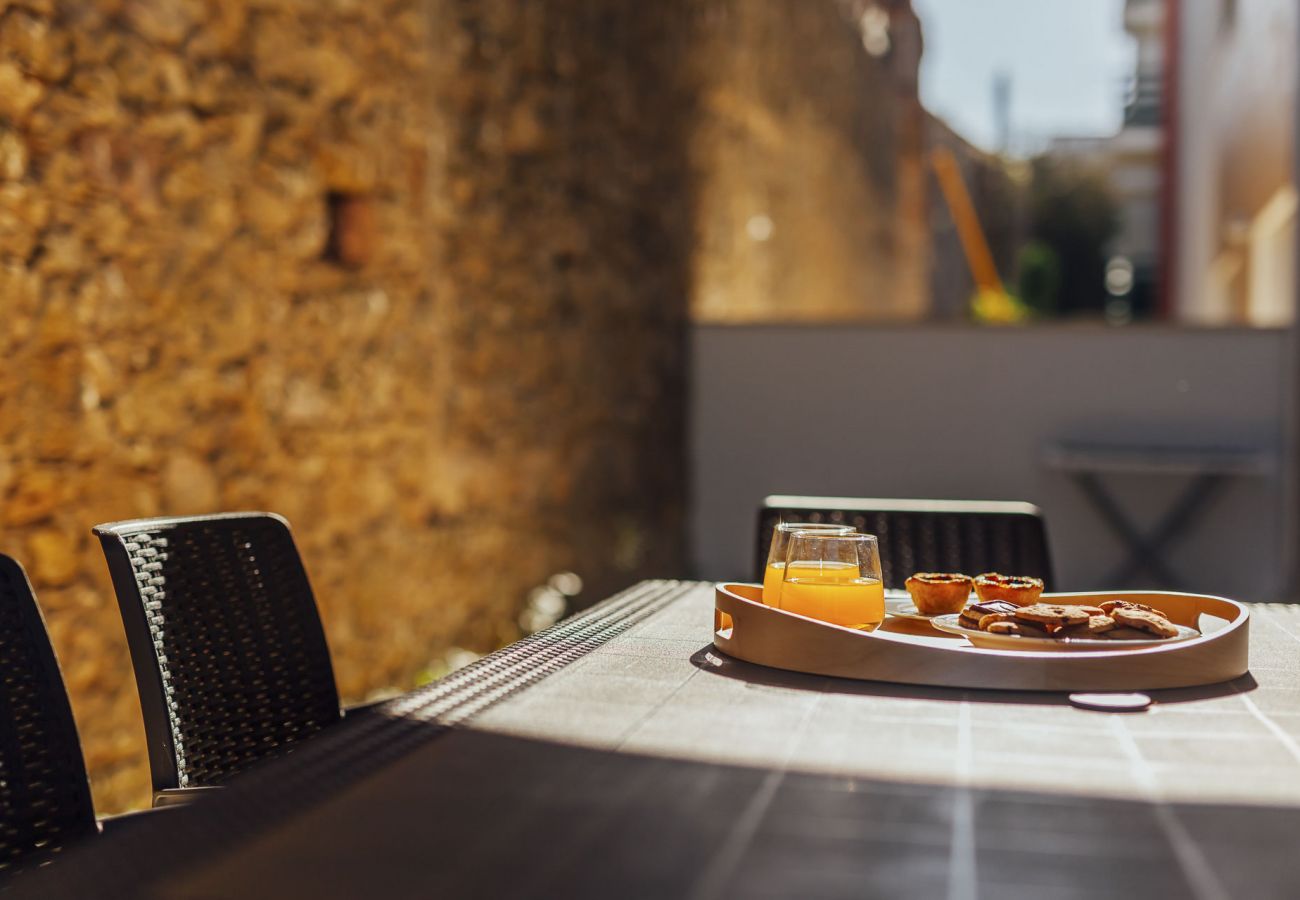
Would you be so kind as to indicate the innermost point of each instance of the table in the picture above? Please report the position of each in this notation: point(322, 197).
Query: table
point(618, 755)
point(1204, 468)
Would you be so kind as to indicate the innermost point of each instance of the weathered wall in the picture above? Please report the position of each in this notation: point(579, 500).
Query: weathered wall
point(338, 260)
point(565, 230)
point(812, 202)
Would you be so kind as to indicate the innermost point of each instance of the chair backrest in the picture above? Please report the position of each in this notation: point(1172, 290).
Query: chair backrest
point(45, 799)
point(230, 658)
point(970, 536)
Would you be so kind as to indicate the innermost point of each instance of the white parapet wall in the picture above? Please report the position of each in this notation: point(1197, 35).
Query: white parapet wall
point(969, 413)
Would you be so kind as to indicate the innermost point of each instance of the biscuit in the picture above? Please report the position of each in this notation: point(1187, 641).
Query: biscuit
point(1100, 624)
point(1096, 626)
point(986, 621)
point(976, 611)
point(1052, 614)
point(1110, 606)
point(1146, 620)
point(1124, 633)
point(1010, 627)
point(1034, 629)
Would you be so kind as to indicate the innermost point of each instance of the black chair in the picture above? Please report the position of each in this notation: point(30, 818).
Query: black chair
point(45, 800)
point(927, 535)
point(230, 658)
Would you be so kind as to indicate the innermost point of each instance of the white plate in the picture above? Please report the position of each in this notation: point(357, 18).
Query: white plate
point(902, 607)
point(952, 625)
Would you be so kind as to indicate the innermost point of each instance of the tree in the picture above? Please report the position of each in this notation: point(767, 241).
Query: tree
point(1072, 216)
point(1040, 279)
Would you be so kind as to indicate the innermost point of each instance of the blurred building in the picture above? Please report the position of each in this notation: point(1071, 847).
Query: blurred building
point(1130, 161)
point(1232, 205)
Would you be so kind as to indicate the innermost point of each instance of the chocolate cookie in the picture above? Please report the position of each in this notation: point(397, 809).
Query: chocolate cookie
point(973, 612)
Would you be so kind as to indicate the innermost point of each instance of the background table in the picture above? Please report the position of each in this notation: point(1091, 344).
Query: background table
point(1203, 469)
point(618, 755)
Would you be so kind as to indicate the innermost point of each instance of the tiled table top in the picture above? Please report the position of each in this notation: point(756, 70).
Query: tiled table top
point(619, 755)
point(660, 689)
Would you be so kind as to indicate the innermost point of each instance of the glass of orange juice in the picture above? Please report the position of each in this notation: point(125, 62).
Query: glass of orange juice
point(835, 578)
point(775, 570)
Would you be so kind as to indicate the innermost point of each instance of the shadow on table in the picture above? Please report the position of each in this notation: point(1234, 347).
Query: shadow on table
point(714, 661)
point(486, 815)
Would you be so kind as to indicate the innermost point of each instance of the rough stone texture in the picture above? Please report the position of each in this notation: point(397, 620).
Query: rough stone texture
point(812, 169)
point(410, 272)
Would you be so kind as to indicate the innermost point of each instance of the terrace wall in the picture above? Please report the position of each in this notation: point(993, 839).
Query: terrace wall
point(410, 272)
point(955, 412)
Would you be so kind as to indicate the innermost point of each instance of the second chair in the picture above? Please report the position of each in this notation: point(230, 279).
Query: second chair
point(927, 535)
point(229, 654)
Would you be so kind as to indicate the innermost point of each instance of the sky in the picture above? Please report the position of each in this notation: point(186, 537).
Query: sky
point(1068, 61)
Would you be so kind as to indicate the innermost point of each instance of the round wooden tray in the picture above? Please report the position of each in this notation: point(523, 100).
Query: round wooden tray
point(910, 652)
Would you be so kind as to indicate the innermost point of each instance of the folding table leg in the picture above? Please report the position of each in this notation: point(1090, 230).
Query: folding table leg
point(1144, 549)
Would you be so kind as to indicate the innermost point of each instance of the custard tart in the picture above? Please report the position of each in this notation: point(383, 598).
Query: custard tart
point(938, 593)
point(1018, 589)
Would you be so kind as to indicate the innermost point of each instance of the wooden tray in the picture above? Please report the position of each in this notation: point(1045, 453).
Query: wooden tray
point(910, 652)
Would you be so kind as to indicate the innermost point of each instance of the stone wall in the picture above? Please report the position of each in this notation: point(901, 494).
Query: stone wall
point(812, 177)
point(565, 232)
point(410, 272)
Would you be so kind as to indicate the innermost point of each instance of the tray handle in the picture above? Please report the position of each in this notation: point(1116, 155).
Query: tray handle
point(725, 612)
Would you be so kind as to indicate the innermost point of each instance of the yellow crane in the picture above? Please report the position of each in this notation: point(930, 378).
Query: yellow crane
point(992, 300)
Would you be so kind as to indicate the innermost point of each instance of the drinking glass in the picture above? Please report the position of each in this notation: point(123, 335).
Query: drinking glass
point(835, 578)
point(775, 570)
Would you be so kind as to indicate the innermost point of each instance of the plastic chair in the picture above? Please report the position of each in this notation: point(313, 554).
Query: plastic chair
point(970, 536)
point(230, 658)
point(45, 801)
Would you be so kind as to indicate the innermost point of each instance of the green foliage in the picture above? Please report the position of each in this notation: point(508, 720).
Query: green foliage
point(1073, 215)
point(1040, 278)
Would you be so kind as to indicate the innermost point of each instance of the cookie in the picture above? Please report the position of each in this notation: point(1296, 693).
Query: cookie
point(1095, 627)
point(1011, 627)
point(1110, 606)
point(1034, 629)
point(988, 620)
point(1145, 620)
point(1093, 610)
point(1124, 633)
point(973, 612)
point(1052, 614)
point(1100, 625)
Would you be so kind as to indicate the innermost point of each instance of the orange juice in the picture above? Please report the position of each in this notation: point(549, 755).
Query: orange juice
point(854, 602)
point(774, 574)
